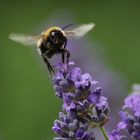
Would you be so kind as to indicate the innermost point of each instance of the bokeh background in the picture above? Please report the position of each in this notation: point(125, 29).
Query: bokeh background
point(28, 105)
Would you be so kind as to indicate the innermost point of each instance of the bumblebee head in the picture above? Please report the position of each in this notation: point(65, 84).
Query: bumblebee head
point(55, 34)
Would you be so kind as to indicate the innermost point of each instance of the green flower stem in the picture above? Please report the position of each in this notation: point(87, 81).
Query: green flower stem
point(104, 133)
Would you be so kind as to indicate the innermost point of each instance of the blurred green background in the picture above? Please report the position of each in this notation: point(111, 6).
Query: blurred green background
point(28, 106)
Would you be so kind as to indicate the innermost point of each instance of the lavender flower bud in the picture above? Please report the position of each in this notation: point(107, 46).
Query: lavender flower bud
point(114, 135)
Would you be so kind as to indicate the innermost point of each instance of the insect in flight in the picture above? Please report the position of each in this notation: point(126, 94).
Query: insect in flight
point(53, 41)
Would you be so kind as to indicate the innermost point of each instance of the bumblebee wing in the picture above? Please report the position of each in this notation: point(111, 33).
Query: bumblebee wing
point(24, 39)
point(80, 31)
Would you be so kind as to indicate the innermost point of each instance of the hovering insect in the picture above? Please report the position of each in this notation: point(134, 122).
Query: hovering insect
point(53, 41)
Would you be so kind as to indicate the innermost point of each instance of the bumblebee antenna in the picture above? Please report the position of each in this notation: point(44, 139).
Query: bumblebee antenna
point(67, 26)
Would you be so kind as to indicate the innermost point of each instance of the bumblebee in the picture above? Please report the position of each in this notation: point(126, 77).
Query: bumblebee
point(52, 41)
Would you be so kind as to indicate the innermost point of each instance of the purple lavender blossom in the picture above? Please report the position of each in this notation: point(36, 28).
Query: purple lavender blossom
point(83, 110)
point(130, 116)
point(114, 135)
point(69, 127)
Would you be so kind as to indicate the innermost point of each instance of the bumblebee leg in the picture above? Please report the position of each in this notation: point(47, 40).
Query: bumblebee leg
point(67, 55)
point(65, 44)
point(48, 65)
point(63, 52)
point(63, 56)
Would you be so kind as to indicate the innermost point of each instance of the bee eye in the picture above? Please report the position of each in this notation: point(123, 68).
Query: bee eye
point(52, 33)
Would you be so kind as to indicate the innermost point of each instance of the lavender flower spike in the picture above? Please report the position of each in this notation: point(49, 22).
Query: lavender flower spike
point(130, 115)
point(83, 110)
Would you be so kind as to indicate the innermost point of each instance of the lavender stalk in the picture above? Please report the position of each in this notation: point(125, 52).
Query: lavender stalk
point(104, 133)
